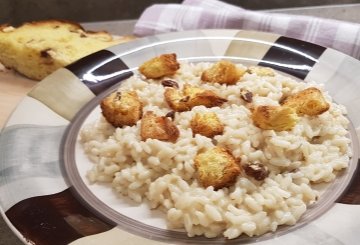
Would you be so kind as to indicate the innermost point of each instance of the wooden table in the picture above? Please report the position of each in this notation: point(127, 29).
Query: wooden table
point(13, 87)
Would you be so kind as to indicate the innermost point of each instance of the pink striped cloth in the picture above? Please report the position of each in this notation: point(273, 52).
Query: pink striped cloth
point(210, 14)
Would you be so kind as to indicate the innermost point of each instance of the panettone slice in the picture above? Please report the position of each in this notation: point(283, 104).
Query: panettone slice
point(36, 49)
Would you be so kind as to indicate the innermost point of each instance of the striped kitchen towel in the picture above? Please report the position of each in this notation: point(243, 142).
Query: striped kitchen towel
point(212, 14)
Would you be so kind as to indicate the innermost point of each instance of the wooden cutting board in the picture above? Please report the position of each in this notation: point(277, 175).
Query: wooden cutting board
point(13, 87)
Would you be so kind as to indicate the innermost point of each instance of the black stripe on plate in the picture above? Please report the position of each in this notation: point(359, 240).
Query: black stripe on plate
point(352, 194)
point(100, 70)
point(292, 56)
point(55, 219)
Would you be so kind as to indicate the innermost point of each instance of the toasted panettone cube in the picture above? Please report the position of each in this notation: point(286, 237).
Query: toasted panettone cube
point(176, 100)
point(309, 102)
point(278, 118)
point(122, 108)
point(217, 167)
point(222, 72)
point(207, 124)
point(199, 96)
point(161, 66)
point(261, 71)
point(36, 49)
point(158, 127)
point(190, 97)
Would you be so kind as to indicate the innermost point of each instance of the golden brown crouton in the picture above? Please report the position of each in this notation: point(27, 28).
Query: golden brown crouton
point(122, 108)
point(176, 100)
point(190, 97)
point(199, 96)
point(158, 67)
point(207, 124)
point(217, 167)
point(261, 71)
point(222, 72)
point(278, 118)
point(309, 102)
point(155, 127)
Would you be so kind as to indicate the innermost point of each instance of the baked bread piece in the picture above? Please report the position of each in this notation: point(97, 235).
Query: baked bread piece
point(36, 49)
point(217, 167)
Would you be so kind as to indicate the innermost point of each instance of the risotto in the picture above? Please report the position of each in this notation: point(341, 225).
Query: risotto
point(163, 173)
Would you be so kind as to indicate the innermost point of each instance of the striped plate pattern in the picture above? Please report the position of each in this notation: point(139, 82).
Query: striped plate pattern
point(43, 203)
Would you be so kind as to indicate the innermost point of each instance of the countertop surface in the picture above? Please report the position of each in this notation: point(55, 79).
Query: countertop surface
point(14, 87)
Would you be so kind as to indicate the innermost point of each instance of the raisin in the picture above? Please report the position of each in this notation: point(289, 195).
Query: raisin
point(246, 95)
point(256, 170)
point(171, 114)
point(118, 96)
point(282, 99)
point(315, 140)
point(170, 83)
point(44, 53)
